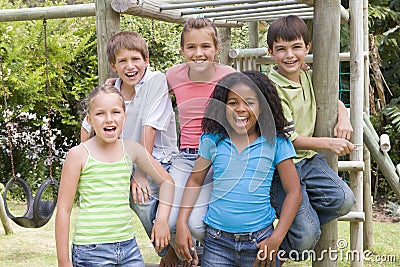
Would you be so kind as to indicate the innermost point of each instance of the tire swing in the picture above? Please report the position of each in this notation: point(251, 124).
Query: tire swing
point(38, 210)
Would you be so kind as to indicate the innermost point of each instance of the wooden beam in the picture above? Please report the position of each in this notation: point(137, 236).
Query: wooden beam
point(326, 84)
point(356, 119)
point(107, 24)
point(151, 9)
point(344, 15)
point(353, 216)
point(383, 160)
point(51, 12)
point(350, 165)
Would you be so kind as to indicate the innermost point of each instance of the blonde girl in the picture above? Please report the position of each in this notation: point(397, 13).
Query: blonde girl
point(99, 169)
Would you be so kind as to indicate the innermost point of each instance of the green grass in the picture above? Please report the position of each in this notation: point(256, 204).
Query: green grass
point(386, 250)
point(36, 247)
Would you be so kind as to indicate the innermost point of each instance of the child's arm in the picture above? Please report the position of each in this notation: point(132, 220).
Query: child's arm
point(291, 185)
point(66, 194)
point(343, 128)
point(140, 184)
point(192, 189)
point(338, 146)
point(84, 135)
point(149, 165)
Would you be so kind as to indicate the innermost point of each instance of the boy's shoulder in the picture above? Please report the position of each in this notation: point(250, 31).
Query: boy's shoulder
point(150, 75)
point(281, 81)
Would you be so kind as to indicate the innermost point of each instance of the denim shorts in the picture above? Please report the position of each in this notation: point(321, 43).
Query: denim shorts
point(125, 253)
point(224, 249)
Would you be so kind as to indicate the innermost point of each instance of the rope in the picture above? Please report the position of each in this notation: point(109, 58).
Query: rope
point(9, 141)
point(48, 100)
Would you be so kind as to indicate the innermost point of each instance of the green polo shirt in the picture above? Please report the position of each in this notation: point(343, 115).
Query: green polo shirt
point(299, 107)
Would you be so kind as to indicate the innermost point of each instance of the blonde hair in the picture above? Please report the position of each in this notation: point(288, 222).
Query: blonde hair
point(99, 90)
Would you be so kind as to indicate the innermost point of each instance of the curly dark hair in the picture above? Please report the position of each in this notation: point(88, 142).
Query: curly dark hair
point(271, 121)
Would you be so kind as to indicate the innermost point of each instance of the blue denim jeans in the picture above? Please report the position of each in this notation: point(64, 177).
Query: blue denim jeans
point(325, 197)
point(224, 249)
point(125, 253)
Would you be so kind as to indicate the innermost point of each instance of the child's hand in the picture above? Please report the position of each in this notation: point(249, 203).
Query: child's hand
point(268, 249)
point(140, 187)
point(111, 81)
point(160, 236)
point(183, 241)
point(305, 66)
point(343, 129)
point(340, 146)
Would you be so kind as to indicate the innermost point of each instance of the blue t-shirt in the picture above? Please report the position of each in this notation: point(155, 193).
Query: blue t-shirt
point(240, 200)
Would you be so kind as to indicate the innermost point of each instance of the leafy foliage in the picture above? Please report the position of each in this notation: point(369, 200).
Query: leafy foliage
point(392, 111)
point(72, 72)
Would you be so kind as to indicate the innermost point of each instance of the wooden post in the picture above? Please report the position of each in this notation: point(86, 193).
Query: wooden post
point(253, 34)
point(226, 42)
point(8, 228)
point(326, 33)
point(356, 107)
point(107, 24)
point(368, 234)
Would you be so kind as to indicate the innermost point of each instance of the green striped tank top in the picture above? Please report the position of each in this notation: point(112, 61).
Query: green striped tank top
point(104, 213)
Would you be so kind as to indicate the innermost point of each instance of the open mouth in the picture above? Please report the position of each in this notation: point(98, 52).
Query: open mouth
point(241, 121)
point(199, 61)
point(110, 129)
point(291, 62)
point(131, 75)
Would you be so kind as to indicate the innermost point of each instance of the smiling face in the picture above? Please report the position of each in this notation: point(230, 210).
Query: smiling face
point(289, 56)
point(106, 115)
point(130, 66)
point(199, 48)
point(242, 111)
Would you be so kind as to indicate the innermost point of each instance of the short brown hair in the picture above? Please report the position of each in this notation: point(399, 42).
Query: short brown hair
point(287, 28)
point(128, 40)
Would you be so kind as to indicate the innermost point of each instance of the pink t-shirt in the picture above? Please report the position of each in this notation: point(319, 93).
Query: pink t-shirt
point(192, 98)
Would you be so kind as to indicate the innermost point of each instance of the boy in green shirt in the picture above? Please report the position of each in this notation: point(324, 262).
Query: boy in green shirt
point(325, 195)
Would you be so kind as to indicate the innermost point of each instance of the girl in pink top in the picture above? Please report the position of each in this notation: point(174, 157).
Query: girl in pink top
point(193, 83)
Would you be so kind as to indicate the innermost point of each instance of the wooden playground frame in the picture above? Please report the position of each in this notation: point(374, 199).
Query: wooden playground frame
point(327, 14)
